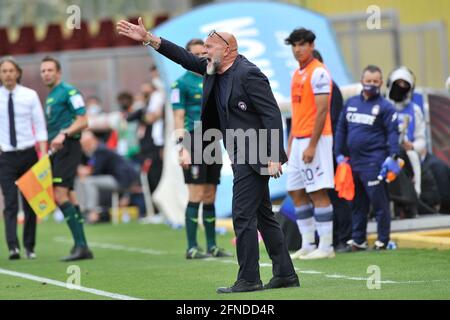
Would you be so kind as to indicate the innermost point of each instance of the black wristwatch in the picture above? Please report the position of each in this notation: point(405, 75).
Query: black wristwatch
point(179, 140)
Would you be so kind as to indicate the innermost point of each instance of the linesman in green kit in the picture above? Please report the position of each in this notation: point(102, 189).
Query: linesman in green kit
point(65, 113)
point(202, 179)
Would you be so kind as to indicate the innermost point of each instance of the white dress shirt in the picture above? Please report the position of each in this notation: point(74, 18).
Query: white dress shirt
point(156, 104)
point(28, 118)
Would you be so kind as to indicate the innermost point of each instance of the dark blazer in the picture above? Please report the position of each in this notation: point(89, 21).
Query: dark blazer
point(108, 162)
point(250, 102)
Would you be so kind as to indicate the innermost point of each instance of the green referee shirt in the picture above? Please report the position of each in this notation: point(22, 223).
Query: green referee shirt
point(187, 94)
point(64, 103)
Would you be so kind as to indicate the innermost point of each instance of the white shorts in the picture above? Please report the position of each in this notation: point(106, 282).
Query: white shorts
point(316, 175)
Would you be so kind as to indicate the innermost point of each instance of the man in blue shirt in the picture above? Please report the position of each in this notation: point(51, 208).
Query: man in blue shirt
point(368, 128)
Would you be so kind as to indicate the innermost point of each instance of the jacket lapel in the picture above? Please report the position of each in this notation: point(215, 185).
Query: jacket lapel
point(207, 88)
point(230, 83)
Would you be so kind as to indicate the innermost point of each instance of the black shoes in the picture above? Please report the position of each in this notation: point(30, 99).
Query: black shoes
point(79, 253)
point(378, 245)
point(342, 248)
point(242, 286)
point(29, 254)
point(217, 252)
point(196, 253)
point(283, 282)
point(357, 246)
point(14, 254)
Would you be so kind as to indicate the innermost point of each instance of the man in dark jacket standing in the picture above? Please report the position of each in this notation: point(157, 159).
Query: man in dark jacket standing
point(237, 98)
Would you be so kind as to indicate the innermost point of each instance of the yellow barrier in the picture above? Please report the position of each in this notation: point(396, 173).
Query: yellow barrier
point(431, 239)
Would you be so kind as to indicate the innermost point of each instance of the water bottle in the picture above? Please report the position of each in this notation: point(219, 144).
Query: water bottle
point(382, 174)
point(389, 175)
point(126, 217)
point(391, 245)
point(221, 230)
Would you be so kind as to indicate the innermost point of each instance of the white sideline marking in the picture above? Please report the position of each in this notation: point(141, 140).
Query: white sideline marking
point(118, 247)
point(65, 285)
point(334, 276)
point(262, 264)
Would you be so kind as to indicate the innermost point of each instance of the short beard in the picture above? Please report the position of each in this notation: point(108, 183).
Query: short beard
point(213, 66)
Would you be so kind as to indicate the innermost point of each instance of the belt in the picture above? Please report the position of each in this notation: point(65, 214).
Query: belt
point(19, 151)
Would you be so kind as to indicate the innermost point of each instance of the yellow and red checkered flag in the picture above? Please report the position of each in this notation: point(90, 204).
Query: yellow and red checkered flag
point(37, 187)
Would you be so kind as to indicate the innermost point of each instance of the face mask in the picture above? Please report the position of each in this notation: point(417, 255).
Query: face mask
point(124, 107)
point(371, 89)
point(138, 105)
point(94, 109)
point(398, 94)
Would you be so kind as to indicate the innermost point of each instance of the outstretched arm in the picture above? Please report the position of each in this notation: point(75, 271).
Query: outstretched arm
point(168, 49)
point(138, 32)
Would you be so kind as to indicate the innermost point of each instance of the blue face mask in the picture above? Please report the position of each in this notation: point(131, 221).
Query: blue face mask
point(371, 89)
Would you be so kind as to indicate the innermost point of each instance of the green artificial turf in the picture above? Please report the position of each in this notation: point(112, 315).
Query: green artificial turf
point(148, 262)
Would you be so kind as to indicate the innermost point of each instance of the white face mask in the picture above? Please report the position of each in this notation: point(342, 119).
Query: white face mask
point(138, 105)
point(94, 109)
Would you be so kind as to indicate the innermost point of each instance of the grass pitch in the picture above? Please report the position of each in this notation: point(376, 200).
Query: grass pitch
point(147, 262)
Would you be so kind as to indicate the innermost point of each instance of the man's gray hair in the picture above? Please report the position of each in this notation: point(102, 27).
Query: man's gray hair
point(10, 59)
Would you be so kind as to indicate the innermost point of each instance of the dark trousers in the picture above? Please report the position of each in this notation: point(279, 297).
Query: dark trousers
point(252, 211)
point(370, 191)
point(12, 166)
point(342, 218)
point(154, 175)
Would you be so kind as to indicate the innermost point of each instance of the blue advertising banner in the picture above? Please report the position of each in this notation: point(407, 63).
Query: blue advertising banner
point(260, 29)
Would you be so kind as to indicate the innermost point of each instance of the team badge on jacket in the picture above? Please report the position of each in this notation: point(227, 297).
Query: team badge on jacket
point(242, 106)
point(376, 110)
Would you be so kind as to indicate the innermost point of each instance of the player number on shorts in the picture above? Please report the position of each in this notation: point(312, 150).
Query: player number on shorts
point(308, 173)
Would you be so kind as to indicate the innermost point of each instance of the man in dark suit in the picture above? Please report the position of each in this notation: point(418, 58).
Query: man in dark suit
point(237, 97)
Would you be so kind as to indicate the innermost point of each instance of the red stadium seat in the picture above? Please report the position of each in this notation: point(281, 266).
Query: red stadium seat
point(160, 19)
point(4, 42)
point(26, 43)
point(53, 40)
point(122, 41)
point(105, 36)
point(79, 38)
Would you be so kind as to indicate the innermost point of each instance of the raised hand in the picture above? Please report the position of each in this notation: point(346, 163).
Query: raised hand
point(136, 32)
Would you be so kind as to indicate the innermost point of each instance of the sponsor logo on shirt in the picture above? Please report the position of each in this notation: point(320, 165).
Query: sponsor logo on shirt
point(360, 118)
point(373, 183)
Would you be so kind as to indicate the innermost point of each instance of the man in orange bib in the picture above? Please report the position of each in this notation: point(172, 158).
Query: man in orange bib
point(310, 149)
